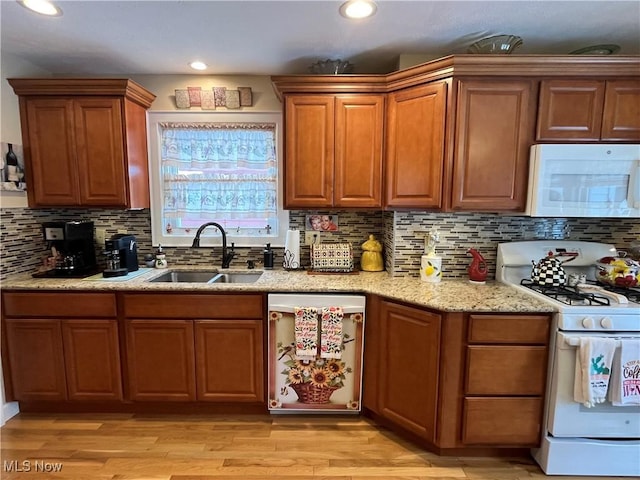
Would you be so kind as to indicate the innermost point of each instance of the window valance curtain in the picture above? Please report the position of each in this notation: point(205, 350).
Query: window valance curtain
point(213, 170)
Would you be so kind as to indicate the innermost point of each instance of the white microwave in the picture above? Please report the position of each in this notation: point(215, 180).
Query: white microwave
point(600, 180)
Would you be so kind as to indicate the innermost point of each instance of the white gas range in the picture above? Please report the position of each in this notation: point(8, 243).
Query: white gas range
point(602, 440)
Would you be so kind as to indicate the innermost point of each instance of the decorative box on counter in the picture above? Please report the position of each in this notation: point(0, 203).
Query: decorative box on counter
point(332, 257)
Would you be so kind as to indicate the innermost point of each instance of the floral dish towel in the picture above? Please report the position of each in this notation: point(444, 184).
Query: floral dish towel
point(306, 332)
point(331, 332)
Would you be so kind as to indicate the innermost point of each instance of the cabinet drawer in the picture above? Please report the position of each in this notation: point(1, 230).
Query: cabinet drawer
point(502, 421)
point(532, 329)
point(60, 304)
point(497, 370)
point(193, 306)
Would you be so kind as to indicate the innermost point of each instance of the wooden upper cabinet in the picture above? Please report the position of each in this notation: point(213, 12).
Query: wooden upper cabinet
point(51, 170)
point(333, 153)
point(358, 151)
point(589, 110)
point(309, 151)
point(415, 146)
point(100, 151)
point(621, 117)
point(570, 109)
point(85, 142)
point(495, 122)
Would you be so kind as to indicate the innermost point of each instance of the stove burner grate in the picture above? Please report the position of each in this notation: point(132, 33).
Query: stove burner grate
point(565, 294)
point(632, 293)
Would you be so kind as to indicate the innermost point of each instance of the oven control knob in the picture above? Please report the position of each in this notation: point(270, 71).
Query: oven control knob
point(606, 323)
point(587, 322)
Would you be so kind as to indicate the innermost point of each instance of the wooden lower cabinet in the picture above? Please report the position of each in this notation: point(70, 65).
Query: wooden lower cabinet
point(92, 359)
point(36, 359)
point(161, 360)
point(501, 421)
point(456, 380)
point(229, 360)
point(190, 347)
point(504, 379)
point(408, 367)
point(59, 350)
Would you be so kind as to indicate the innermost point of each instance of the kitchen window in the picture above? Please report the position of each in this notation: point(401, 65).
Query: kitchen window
point(221, 167)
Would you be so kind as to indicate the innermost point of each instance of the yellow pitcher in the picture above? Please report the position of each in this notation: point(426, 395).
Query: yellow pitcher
point(371, 260)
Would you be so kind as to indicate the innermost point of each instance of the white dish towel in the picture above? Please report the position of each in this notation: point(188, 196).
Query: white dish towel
point(594, 357)
point(625, 374)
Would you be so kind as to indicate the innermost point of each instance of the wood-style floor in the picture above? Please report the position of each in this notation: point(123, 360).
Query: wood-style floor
point(203, 447)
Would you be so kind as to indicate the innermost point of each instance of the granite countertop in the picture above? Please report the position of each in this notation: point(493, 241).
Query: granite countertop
point(455, 295)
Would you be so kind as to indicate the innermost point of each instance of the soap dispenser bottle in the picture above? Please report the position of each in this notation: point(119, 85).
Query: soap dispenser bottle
point(430, 263)
point(269, 257)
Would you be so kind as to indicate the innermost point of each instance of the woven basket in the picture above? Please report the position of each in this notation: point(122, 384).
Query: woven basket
point(310, 393)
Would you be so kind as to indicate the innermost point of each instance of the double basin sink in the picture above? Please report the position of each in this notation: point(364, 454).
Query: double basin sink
point(208, 276)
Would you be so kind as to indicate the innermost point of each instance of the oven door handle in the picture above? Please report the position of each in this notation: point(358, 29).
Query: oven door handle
point(575, 341)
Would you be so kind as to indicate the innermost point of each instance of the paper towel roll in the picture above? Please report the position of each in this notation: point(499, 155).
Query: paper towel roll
point(292, 250)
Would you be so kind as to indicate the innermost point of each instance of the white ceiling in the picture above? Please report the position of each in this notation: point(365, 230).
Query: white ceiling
point(285, 37)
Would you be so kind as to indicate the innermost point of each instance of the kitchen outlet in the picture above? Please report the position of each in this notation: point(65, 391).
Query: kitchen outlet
point(311, 237)
point(101, 235)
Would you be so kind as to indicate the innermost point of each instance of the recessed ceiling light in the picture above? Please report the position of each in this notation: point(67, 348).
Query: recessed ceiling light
point(197, 65)
point(358, 8)
point(44, 7)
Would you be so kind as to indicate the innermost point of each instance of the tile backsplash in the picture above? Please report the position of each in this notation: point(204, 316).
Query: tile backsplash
point(402, 234)
point(405, 231)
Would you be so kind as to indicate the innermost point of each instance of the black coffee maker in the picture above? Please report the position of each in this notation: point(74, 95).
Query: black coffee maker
point(72, 248)
point(121, 251)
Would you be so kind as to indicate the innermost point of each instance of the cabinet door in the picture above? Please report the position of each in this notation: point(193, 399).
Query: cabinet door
point(494, 131)
point(415, 146)
point(621, 117)
point(410, 350)
point(100, 151)
point(161, 360)
point(50, 151)
point(309, 151)
point(358, 151)
point(36, 359)
point(229, 360)
point(92, 359)
point(570, 110)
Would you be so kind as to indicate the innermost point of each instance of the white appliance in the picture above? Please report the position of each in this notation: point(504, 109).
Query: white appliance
point(602, 440)
point(600, 180)
point(315, 384)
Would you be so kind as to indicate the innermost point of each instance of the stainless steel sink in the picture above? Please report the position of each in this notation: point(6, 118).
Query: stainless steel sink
point(206, 276)
point(186, 276)
point(236, 277)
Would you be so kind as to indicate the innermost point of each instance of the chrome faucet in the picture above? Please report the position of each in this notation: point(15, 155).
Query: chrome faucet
point(226, 256)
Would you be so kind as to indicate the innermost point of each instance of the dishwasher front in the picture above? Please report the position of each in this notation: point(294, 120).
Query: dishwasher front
point(315, 347)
